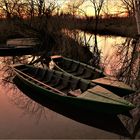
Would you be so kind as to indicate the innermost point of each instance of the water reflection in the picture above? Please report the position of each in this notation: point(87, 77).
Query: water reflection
point(29, 107)
point(102, 48)
point(113, 56)
point(124, 126)
point(126, 60)
point(102, 121)
point(119, 57)
point(5, 70)
point(39, 108)
point(107, 46)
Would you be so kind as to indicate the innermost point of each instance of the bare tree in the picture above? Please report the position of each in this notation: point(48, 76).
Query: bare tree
point(129, 6)
point(97, 7)
point(28, 8)
point(137, 14)
point(41, 7)
point(74, 6)
point(11, 7)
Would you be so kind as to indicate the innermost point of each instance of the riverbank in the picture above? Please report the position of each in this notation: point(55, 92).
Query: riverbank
point(116, 26)
point(125, 27)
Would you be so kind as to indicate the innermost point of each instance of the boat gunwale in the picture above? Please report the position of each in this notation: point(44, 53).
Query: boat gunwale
point(117, 108)
point(113, 87)
point(85, 65)
point(63, 94)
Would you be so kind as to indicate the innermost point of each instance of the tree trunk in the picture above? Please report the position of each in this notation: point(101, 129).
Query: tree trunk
point(137, 14)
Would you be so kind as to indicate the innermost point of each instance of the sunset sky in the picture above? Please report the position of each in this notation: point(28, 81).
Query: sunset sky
point(110, 6)
point(87, 8)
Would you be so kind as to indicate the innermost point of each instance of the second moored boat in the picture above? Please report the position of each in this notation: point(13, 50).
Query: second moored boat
point(92, 74)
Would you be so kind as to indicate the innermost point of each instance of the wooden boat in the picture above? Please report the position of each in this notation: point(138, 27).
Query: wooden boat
point(92, 74)
point(23, 42)
point(8, 50)
point(71, 90)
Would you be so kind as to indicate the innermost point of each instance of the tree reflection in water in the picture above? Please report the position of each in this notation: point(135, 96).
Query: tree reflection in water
point(102, 121)
point(14, 95)
point(125, 61)
point(38, 108)
point(29, 106)
point(126, 67)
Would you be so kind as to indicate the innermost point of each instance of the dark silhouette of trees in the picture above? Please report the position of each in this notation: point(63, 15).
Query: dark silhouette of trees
point(9, 8)
point(129, 6)
point(97, 8)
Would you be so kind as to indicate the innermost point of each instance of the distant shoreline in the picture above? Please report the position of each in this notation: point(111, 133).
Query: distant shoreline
point(116, 26)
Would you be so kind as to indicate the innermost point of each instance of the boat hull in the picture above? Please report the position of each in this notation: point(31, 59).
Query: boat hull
point(17, 50)
point(91, 74)
point(78, 102)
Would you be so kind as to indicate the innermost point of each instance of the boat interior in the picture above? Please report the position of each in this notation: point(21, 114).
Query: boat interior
point(78, 69)
point(59, 80)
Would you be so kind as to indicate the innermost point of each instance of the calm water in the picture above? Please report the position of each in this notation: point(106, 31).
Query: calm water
point(24, 115)
point(21, 117)
point(108, 45)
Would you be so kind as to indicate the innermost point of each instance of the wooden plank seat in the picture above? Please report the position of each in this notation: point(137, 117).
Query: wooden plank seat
point(70, 85)
point(67, 84)
point(59, 77)
point(74, 83)
point(74, 93)
point(64, 85)
point(84, 86)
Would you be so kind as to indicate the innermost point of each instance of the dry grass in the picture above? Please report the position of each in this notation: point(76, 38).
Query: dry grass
point(111, 26)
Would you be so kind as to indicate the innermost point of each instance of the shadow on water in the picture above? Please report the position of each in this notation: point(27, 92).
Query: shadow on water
point(102, 121)
point(137, 129)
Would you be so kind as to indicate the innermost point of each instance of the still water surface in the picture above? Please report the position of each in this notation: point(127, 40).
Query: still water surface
point(21, 117)
point(25, 116)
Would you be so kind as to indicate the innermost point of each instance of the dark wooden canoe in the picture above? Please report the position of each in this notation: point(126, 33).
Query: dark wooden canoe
point(23, 42)
point(71, 90)
point(77, 68)
point(92, 74)
point(6, 50)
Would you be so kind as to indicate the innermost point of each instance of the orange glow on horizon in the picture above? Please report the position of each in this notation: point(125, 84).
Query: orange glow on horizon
point(111, 8)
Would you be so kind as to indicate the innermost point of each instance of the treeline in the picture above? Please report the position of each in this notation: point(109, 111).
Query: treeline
point(26, 8)
point(46, 21)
